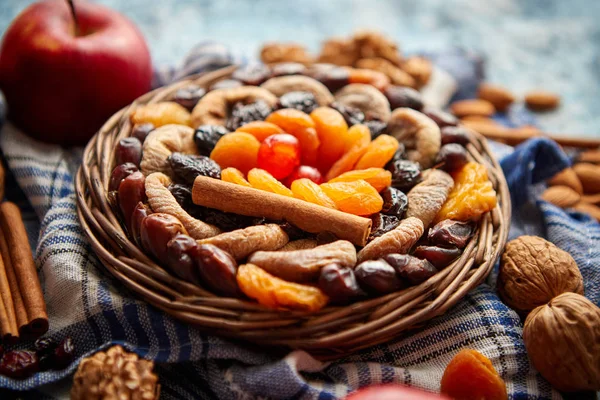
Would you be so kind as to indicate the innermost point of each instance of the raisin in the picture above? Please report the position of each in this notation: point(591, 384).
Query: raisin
point(207, 136)
point(333, 78)
point(304, 171)
point(252, 74)
point(44, 346)
point(226, 84)
point(129, 150)
point(394, 202)
point(217, 269)
point(243, 113)
point(455, 134)
point(64, 353)
point(287, 68)
point(382, 224)
point(402, 96)
point(441, 118)
point(141, 131)
point(352, 115)
point(400, 154)
point(187, 167)
point(303, 101)
point(411, 269)
point(377, 277)
point(405, 174)
point(440, 257)
point(119, 173)
point(180, 252)
point(376, 127)
point(19, 364)
point(188, 96)
point(452, 157)
point(339, 283)
point(451, 233)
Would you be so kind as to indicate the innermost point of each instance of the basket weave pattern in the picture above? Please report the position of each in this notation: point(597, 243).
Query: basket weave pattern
point(330, 332)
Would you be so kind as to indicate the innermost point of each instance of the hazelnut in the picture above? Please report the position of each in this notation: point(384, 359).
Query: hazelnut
point(562, 339)
point(533, 271)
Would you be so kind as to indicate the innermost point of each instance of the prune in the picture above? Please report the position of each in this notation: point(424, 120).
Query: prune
point(188, 96)
point(325, 237)
point(377, 277)
point(243, 113)
point(440, 257)
point(131, 192)
point(452, 157)
point(451, 233)
point(405, 174)
point(303, 101)
point(288, 68)
point(333, 78)
point(400, 154)
point(376, 127)
point(382, 224)
point(129, 150)
point(252, 74)
point(119, 173)
point(352, 115)
point(217, 269)
point(64, 353)
point(339, 283)
point(44, 346)
point(293, 231)
point(224, 221)
point(140, 212)
point(180, 257)
point(141, 131)
point(207, 136)
point(455, 134)
point(441, 118)
point(187, 167)
point(19, 364)
point(182, 193)
point(411, 269)
point(394, 202)
point(156, 231)
point(226, 84)
point(402, 96)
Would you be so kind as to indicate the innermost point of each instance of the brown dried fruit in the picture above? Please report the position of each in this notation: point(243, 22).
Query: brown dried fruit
point(533, 271)
point(463, 108)
point(161, 143)
point(589, 209)
point(589, 175)
point(540, 100)
point(561, 196)
point(113, 375)
point(296, 83)
point(426, 199)
point(305, 265)
point(562, 339)
point(284, 52)
point(366, 98)
point(397, 76)
point(159, 114)
point(156, 231)
point(420, 135)
point(398, 240)
point(300, 244)
point(499, 96)
point(374, 44)
point(339, 51)
point(419, 68)
point(243, 242)
point(567, 177)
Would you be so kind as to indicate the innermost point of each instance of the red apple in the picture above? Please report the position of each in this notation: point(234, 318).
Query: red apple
point(62, 85)
point(393, 392)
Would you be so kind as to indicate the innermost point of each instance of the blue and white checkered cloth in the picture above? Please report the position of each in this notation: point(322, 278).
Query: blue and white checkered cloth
point(91, 306)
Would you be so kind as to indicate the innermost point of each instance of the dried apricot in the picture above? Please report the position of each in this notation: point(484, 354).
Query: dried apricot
point(379, 178)
point(273, 292)
point(472, 195)
point(163, 113)
point(307, 190)
point(359, 139)
point(261, 179)
point(356, 197)
point(300, 125)
point(238, 150)
point(369, 77)
point(471, 375)
point(260, 129)
point(380, 151)
point(233, 175)
point(332, 130)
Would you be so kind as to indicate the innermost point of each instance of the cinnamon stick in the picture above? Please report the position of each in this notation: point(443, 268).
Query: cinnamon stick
point(8, 320)
point(13, 283)
point(24, 268)
point(229, 197)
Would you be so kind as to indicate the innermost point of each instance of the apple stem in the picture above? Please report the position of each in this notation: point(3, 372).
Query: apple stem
point(74, 15)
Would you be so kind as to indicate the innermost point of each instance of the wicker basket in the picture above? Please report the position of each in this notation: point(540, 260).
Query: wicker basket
point(331, 332)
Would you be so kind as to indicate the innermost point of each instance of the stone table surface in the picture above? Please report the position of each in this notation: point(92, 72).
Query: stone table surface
point(528, 44)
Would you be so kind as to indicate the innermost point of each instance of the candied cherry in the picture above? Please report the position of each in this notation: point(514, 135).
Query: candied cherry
point(300, 125)
point(261, 179)
point(357, 197)
point(233, 175)
point(260, 129)
point(238, 150)
point(307, 190)
point(304, 171)
point(279, 154)
point(332, 130)
point(379, 178)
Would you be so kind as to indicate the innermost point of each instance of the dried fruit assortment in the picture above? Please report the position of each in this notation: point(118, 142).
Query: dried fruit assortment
point(349, 152)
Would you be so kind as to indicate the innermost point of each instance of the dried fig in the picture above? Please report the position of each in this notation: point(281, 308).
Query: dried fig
point(426, 199)
point(365, 98)
point(243, 242)
point(398, 240)
point(283, 84)
point(161, 143)
point(419, 133)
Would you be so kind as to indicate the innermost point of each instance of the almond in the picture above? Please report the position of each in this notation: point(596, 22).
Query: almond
point(500, 97)
point(540, 100)
point(589, 175)
point(479, 119)
point(561, 196)
point(591, 198)
point(419, 68)
point(590, 209)
point(589, 156)
point(465, 108)
point(567, 177)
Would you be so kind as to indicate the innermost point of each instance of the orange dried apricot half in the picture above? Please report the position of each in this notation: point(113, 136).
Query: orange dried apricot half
point(238, 150)
point(332, 130)
point(260, 129)
point(261, 179)
point(379, 178)
point(233, 175)
point(360, 138)
point(380, 151)
point(307, 190)
point(357, 197)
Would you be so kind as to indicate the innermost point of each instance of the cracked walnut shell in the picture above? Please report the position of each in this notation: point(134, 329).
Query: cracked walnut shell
point(533, 271)
point(114, 375)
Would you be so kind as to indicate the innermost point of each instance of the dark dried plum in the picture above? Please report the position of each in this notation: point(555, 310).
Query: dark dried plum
point(455, 134)
point(207, 136)
point(352, 115)
point(451, 233)
point(182, 193)
point(64, 353)
point(411, 269)
point(325, 237)
point(451, 157)
point(303, 101)
point(141, 131)
point(339, 283)
point(129, 150)
point(224, 221)
point(288, 68)
point(188, 96)
point(19, 364)
point(440, 257)
point(441, 118)
point(377, 277)
point(382, 224)
point(394, 202)
point(402, 96)
point(187, 167)
point(45, 346)
point(119, 173)
point(293, 231)
point(226, 84)
point(400, 154)
point(252, 74)
point(180, 257)
point(376, 127)
point(241, 114)
point(405, 174)
point(333, 78)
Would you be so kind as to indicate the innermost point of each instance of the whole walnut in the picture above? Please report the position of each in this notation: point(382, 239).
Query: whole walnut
point(562, 339)
point(533, 271)
point(115, 375)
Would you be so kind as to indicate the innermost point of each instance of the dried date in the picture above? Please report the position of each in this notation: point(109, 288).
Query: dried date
point(451, 233)
point(129, 150)
point(339, 283)
point(441, 118)
point(131, 192)
point(156, 231)
point(181, 251)
point(217, 269)
point(119, 173)
point(141, 131)
point(189, 96)
point(455, 134)
point(19, 364)
point(140, 212)
point(451, 157)
point(377, 277)
point(440, 257)
point(409, 268)
point(403, 96)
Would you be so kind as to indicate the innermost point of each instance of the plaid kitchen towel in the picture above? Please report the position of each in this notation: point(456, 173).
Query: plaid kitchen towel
point(88, 304)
